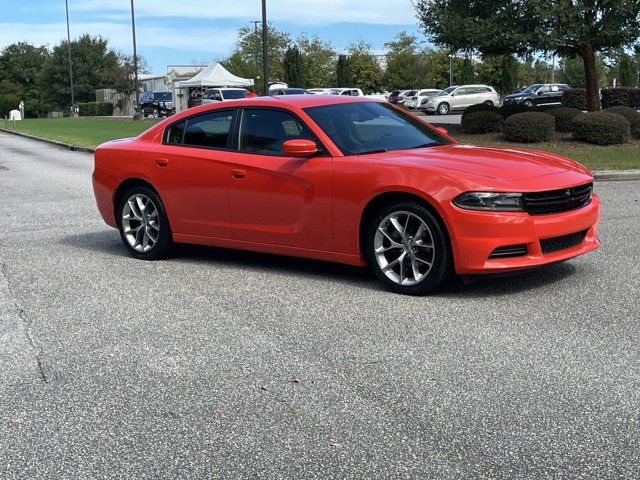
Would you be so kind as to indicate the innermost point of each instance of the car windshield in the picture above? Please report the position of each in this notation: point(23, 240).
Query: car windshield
point(532, 88)
point(295, 91)
point(370, 127)
point(446, 91)
point(236, 93)
point(163, 96)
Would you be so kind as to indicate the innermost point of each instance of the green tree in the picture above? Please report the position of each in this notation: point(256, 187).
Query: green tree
point(405, 66)
point(343, 71)
point(319, 60)
point(95, 66)
point(366, 73)
point(627, 71)
point(437, 68)
point(293, 68)
point(499, 71)
point(567, 27)
point(246, 58)
point(21, 67)
point(572, 71)
point(467, 74)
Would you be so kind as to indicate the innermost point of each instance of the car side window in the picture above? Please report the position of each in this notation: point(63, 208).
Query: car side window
point(217, 95)
point(463, 91)
point(209, 130)
point(264, 131)
point(175, 133)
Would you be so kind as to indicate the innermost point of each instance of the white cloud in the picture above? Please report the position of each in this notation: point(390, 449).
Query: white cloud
point(307, 12)
point(214, 40)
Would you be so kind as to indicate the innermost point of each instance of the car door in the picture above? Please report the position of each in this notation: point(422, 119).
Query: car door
point(544, 96)
point(192, 173)
point(276, 199)
point(463, 98)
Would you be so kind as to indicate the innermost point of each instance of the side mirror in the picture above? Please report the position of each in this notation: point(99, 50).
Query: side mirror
point(299, 147)
point(442, 130)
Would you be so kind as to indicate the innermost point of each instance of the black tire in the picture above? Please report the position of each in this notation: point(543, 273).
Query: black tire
point(528, 103)
point(443, 108)
point(489, 103)
point(164, 243)
point(442, 268)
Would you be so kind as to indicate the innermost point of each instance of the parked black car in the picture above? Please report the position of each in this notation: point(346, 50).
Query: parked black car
point(157, 104)
point(538, 95)
point(397, 96)
point(287, 91)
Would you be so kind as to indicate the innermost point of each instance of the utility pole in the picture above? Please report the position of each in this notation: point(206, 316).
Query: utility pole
point(450, 69)
point(553, 68)
point(257, 59)
point(73, 100)
point(265, 59)
point(137, 115)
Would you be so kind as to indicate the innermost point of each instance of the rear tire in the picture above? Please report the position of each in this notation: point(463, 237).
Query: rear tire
point(489, 103)
point(143, 224)
point(408, 249)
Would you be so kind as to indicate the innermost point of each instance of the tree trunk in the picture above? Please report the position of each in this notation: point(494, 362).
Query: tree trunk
point(593, 94)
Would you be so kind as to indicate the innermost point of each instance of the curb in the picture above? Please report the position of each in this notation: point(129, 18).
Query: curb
point(68, 146)
point(599, 175)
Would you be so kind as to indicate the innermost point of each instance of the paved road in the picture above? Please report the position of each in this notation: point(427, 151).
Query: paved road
point(451, 119)
point(223, 364)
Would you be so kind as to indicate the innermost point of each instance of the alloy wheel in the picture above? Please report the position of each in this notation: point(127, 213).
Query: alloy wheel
point(404, 248)
point(140, 223)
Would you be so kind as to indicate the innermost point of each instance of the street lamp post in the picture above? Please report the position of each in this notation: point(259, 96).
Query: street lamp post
point(265, 59)
point(137, 115)
point(450, 69)
point(257, 59)
point(73, 100)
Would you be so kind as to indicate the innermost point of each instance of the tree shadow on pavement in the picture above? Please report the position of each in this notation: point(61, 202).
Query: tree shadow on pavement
point(108, 242)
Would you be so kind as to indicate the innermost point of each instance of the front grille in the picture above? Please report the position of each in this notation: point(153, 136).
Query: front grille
point(550, 245)
point(509, 251)
point(555, 201)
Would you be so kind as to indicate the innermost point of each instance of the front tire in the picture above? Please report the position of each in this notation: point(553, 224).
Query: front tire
point(489, 103)
point(143, 224)
point(443, 109)
point(408, 249)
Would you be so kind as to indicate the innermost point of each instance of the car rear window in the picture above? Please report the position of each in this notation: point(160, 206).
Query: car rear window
point(230, 94)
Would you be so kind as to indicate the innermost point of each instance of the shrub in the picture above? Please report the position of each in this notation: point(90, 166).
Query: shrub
point(575, 98)
point(631, 114)
point(512, 108)
point(8, 102)
point(563, 116)
point(95, 109)
point(480, 107)
point(601, 128)
point(481, 121)
point(621, 97)
point(529, 127)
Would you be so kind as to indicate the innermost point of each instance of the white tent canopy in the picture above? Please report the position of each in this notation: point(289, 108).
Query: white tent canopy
point(215, 75)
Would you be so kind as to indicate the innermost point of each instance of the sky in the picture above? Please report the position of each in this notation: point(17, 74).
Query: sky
point(171, 32)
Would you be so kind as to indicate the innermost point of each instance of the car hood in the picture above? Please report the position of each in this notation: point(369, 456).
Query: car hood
point(517, 95)
point(496, 168)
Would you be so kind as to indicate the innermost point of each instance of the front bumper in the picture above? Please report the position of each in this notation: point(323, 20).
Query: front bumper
point(475, 235)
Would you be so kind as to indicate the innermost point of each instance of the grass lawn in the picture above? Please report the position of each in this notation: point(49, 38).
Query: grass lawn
point(594, 157)
point(85, 132)
point(90, 132)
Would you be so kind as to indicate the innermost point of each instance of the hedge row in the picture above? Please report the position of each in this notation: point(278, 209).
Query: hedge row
point(95, 109)
point(609, 97)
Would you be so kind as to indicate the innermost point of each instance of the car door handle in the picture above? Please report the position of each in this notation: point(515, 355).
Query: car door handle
point(162, 162)
point(236, 173)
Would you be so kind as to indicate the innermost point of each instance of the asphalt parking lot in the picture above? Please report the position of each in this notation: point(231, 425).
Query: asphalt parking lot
point(225, 364)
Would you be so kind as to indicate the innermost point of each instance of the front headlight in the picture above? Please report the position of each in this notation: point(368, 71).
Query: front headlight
point(492, 201)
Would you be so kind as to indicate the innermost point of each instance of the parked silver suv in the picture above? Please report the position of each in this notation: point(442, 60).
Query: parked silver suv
point(459, 97)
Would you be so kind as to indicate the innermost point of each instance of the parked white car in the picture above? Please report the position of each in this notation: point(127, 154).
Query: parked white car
point(459, 97)
point(354, 92)
point(212, 95)
point(319, 91)
point(415, 100)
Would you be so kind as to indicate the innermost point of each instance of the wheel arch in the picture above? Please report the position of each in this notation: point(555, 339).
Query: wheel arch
point(384, 198)
point(126, 185)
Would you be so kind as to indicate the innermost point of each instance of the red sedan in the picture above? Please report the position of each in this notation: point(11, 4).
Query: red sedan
point(347, 180)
